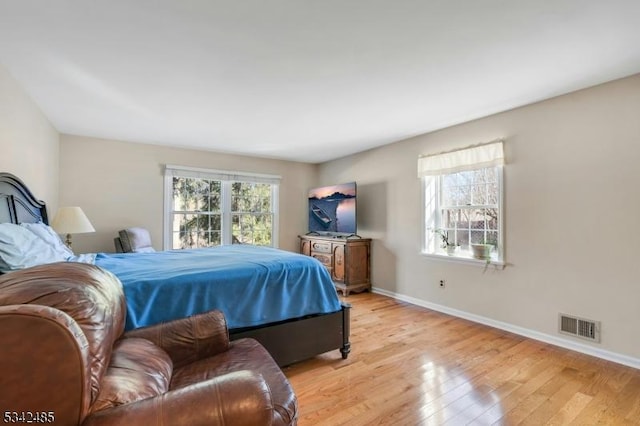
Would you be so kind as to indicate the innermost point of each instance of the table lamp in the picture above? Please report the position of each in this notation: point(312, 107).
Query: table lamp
point(71, 220)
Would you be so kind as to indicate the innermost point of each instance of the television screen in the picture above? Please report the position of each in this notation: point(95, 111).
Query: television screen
point(332, 209)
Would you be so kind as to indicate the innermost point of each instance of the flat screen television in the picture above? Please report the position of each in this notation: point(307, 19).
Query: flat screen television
point(332, 210)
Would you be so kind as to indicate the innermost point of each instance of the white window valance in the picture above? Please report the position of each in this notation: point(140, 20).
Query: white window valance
point(223, 175)
point(475, 157)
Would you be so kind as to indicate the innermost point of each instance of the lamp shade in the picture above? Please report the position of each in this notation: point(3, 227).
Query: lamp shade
point(71, 220)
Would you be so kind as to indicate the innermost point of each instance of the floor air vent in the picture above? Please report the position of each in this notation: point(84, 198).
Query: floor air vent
point(579, 327)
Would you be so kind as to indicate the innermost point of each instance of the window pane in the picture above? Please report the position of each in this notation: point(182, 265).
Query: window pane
point(266, 203)
point(252, 229)
point(235, 229)
point(462, 238)
point(178, 185)
point(248, 197)
point(491, 174)
point(200, 203)
point(492, 218)
point(194, 195)
point(477, 237)
point(262, 232)
point(468, 203)
point(477, 219)
point(235, 206)
point(195, 230)
point(216, 222)
point(246, 221)
point(462, 193)
point(182, 197)
point(175, 240)
point(450, 180)
point(479, 195)
point(492, 238)
point(248, 225)
point(450, 218)
point(175, 223)
point(237, 188)
point(463, 220)
point(240, 197)
point(190, 194)
point(216, 238)
point(215, 195)
point(262, 198)
point(492, 194)
point(199, 189)
point(246, 236)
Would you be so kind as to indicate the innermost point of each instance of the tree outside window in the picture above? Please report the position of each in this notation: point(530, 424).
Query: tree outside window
point(251, 213)
point(197, 213)
point(206, 212)
point(469, 207)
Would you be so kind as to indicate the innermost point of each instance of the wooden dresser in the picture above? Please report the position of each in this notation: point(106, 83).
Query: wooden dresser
point(347, 260)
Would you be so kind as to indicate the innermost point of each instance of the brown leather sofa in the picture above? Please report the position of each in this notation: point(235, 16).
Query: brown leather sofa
point(64, 357)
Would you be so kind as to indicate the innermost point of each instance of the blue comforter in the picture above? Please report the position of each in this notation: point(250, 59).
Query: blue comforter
point(251, 285)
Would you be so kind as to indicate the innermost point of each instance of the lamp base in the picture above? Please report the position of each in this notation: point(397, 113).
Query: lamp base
point(68, 240)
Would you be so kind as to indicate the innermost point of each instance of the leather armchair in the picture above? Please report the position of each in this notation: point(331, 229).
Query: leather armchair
point(64, 353)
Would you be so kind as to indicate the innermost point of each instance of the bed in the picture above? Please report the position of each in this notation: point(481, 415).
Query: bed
point(279, 298)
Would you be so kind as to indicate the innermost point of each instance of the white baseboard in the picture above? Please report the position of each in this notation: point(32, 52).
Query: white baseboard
point(543, 337)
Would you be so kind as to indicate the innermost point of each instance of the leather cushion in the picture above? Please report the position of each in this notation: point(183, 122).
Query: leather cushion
point(138, 370)
point(244, 354)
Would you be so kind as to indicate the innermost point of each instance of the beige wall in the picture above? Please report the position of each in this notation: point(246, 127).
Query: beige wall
point(571, 211)
point(120, 184)
point(28, 142)
point(570, 204)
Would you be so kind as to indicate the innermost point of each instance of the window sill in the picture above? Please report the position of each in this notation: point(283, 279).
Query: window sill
point(466, 259)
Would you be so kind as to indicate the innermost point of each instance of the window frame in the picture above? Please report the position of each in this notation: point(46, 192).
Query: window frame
point(226, 179)
point(432, 219)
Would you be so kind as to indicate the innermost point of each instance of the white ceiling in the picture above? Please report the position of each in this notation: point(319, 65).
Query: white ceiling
point(300, 79)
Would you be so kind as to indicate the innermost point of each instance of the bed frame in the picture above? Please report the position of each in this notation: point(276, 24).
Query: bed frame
point(288, 341)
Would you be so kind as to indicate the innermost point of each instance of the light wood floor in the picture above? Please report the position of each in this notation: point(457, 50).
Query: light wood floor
point(413, 366)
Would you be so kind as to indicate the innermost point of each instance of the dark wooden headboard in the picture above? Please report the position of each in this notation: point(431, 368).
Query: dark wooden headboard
point(17, 203)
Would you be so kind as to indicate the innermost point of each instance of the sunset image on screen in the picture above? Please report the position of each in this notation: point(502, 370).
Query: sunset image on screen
point(348, 189)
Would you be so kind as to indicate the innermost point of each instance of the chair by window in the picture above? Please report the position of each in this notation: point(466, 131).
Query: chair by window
point(133, 240)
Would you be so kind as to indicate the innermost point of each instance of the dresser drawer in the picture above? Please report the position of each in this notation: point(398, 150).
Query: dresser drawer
point(325, 259)
point(321, 246)
point(346, 259)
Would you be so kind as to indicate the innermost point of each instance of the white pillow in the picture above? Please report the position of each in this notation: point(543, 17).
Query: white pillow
point(21, 248)
point(49, 236)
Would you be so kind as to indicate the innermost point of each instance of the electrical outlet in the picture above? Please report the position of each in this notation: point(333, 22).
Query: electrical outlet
point(442, 283)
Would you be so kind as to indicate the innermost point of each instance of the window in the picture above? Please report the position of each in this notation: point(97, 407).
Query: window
point(205, 208)
point(251, 213)
point(196, 213)
point(463, 203)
